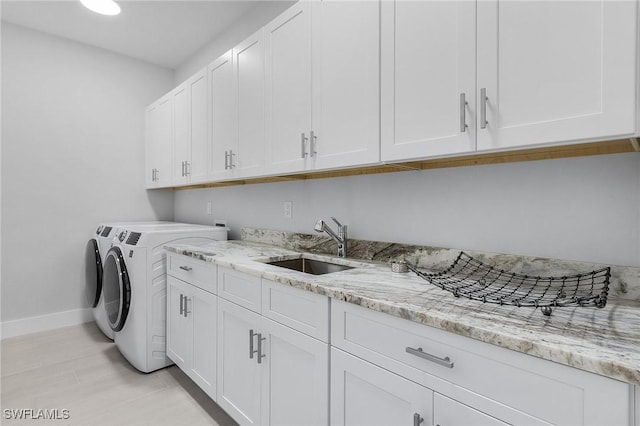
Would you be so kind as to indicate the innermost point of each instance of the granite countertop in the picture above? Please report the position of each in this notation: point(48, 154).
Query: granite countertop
point(603, 341)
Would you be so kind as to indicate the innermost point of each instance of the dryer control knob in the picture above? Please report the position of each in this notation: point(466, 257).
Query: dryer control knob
point(122, 235)
point(99, 230)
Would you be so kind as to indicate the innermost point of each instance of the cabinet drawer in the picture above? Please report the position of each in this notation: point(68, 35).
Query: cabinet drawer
point(240, 288)
point(299, 309)
point(196, 272)
point(540, 390)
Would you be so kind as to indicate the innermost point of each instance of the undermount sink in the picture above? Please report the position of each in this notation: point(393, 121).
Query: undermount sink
point(310, 266)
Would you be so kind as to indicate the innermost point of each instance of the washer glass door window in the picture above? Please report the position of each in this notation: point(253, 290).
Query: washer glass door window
point(93, 273)
point(116, 289)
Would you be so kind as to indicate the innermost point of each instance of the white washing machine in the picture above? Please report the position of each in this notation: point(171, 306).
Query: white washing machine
point(96, 251)
point(135, 288)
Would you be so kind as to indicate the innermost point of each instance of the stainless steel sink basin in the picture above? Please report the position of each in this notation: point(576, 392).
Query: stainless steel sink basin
point(310, 266)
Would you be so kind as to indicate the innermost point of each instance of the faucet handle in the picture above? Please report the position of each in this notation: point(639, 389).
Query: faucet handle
point(336, 221)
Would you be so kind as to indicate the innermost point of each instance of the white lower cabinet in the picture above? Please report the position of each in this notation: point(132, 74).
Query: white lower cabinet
point(367, 395)
point(265, 353)
point(191, 332)
point(472, 382)
point(239, 378)
point(269, 373)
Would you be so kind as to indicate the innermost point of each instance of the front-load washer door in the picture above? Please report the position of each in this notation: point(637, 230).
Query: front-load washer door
point(93, 273)
point(116, 288)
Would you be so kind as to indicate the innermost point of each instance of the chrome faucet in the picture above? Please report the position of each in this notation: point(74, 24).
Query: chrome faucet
point(340, 237)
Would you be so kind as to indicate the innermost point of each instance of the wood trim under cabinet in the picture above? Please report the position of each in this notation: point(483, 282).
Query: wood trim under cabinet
point(617, 146)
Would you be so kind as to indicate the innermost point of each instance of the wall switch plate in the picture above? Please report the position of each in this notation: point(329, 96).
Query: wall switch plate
point(288, 209)
point(209, 208)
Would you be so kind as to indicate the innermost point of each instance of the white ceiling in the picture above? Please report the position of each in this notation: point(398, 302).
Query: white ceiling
point(163, 32)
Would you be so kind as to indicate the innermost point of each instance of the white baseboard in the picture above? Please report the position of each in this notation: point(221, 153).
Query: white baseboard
point(45, 322)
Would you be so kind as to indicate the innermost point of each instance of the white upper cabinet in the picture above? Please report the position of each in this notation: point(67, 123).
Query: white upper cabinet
point(346, 83)
point(531, 73)
point(222, 154)
point(556, 71)
point(158, 143)
point(427, 78)
point(332, 84)
point(190, 130)
point(249, 84)
point(323, 86)
point(181, 133)
point(288, 76)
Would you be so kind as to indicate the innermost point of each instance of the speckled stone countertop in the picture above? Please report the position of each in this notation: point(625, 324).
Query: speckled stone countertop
point(603, 341)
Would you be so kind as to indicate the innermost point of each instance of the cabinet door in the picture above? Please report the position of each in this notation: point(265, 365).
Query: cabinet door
point(181, 100)
point(364, 394)
point(346, 86)
point(288, 76)
point(239, 378)
point(178, 325)
point(222, 148)
point(202, 309)
point(248, 63)
point(296, 377)
point(159, 142)
point(556, 71)
point(196, 167)
point(428, 63)
point(447, 412)
point(190, 130)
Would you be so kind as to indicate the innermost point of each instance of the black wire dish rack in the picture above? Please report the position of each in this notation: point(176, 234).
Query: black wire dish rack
point(470, 278)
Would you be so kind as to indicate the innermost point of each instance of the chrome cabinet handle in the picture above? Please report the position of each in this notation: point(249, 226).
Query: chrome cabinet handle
point(446, 362)
point(251, 350)
point(483, 108)
point(186, 311)
point(463, 113)
point(312, 143)
point(186, 268)
point(187, 172)
point(260, 354)
point(181, 305)
point(226, 160)
point(417, 419)
point(303, 145)
point(231, 155)
point(157, 175)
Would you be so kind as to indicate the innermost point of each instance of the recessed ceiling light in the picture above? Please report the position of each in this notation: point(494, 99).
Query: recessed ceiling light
point(104, 7)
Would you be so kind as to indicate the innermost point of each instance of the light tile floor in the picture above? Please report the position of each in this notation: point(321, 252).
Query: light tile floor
point(78, 369)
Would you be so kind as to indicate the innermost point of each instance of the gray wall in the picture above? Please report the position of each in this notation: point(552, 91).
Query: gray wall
point(73, 155)
point(584, 208)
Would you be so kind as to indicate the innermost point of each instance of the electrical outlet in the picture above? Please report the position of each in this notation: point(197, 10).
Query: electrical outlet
point(288, 209)
point(209, 208)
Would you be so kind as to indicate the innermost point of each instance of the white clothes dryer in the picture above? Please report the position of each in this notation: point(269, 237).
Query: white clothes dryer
point(135, 289)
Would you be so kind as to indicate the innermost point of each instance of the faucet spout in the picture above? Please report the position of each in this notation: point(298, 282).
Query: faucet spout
point(340, 238)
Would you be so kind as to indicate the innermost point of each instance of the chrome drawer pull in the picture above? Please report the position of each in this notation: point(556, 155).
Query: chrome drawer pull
point(181, 305)
point(463, 113)
point(303, 145)
point(251, 350)
point(483, 108)
point(186, 268)
point(260, 354)
point(417, 419)
point(446, 362)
